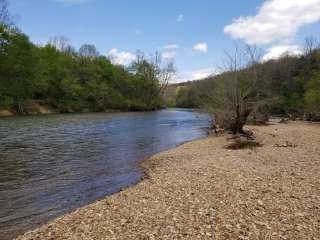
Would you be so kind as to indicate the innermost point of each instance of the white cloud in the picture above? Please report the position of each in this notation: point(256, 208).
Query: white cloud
point(180, 18)
point(275, 20)
point(196, 74)
point(168, 55)
point(201, 47)
point(121, 58)
point(202, 73)
point(279, 51)
point(170, 46)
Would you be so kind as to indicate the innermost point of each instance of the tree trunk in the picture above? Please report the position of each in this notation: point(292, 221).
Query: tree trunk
point(239, 121)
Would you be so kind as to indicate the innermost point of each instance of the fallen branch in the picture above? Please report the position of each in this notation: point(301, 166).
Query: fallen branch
point(285, 145)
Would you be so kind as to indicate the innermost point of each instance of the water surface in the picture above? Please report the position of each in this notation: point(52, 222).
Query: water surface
point(50, 165)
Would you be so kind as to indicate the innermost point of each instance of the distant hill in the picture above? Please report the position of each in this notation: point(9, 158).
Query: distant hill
point(293, 81)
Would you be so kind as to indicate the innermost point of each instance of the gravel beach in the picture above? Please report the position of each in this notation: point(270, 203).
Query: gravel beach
point(201, 190)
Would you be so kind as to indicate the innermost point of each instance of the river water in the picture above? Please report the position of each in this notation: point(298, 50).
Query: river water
point(50, 165)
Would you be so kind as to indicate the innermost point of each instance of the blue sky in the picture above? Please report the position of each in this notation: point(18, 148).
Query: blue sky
point(193, 33)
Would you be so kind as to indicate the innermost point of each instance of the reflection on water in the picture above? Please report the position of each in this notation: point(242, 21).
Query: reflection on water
point(50, 165)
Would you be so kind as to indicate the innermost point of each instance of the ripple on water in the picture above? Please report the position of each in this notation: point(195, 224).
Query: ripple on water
point(50, 165)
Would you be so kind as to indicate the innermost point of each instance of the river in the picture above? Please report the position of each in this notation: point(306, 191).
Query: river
point(51, 165)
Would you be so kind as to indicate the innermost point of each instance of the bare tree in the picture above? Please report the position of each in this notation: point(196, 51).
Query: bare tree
point(310, 54)
point(310, 44)
point(165, 72)
point(88, 50)
point(62, 44)
point(232, 95)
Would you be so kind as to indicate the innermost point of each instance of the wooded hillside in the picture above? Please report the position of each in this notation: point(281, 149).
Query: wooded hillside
point(291, 84)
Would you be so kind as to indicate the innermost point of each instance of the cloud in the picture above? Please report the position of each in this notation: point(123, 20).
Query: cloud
point(279, 51)
point(201, 74)
point(170, 46)
point(168, 55)
point(201, 47)
point(196, 74)
point(276, 20)
point(121, 58)
point(180, 18)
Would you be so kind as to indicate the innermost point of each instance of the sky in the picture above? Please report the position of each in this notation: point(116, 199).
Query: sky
point(195, 34)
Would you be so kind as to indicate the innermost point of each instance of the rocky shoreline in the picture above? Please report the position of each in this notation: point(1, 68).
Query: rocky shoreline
point(201, 190)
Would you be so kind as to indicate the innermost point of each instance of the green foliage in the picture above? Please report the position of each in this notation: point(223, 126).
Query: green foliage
point(312, 95)
point(288, 86)
point(70, 81)
point(154, 77)
point(17, 67)
point(186, 97)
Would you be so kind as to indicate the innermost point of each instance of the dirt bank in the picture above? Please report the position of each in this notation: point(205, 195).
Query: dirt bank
point(34, 108)
point(6, 113)
point(200, 190)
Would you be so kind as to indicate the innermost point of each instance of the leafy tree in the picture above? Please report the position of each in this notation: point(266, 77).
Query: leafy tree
point(186, 97)
point(312, 95)
point(17, 67)
point(155, 76)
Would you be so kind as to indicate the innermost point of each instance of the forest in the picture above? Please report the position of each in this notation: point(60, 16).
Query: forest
point(255, 89)
point(60, 77)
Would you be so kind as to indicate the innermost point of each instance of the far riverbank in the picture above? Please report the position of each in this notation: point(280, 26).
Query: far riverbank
point(34, 108)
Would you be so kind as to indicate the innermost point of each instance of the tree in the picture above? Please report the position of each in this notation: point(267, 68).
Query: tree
point(88, 50)
point(57, 76)
point(185, 97)
point(62, 44)
point(310, 45)
point(17, 67)
point(233, 95)
point(312, 95)
point(156, 76)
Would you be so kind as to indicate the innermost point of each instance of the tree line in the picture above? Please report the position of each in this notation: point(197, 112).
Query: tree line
point(250, 89)
point(70, 80)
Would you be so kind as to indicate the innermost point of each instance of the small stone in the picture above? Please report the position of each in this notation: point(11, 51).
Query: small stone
point(260, 223)
point(229, 227)
point(123, 221)
point(300, 214)
point(260, 203)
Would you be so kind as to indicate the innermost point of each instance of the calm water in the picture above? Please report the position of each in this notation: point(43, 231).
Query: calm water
point(50, 165)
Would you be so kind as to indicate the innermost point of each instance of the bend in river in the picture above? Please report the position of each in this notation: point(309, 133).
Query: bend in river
point(51, 165)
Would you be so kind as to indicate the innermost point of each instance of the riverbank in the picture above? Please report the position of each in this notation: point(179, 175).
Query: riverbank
point(38, 108)
point(34, 108)
point(200, 190)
